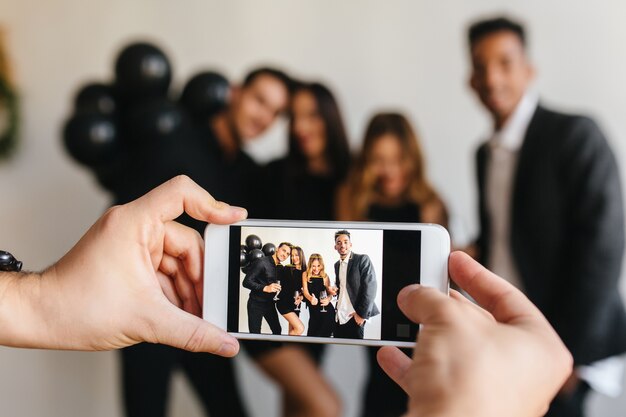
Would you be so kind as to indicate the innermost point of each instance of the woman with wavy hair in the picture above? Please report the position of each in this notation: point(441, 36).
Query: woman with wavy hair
point(318, 293)
point(388, 183)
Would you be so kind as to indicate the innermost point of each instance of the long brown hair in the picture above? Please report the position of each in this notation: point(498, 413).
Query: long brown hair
point(362, 182)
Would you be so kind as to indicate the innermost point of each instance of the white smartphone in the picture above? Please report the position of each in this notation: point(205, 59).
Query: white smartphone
point(321, 282)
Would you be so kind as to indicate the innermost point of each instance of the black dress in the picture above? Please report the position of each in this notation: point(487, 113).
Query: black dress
point(383, 397)
point(290, 198)
point(290, 282)
point(321, 319)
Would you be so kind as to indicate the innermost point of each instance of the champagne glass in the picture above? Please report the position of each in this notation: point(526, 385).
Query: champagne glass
point(323, 295)
point(296, 294)
point(277, 292)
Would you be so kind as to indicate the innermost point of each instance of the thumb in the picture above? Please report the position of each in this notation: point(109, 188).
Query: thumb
point(177, 328)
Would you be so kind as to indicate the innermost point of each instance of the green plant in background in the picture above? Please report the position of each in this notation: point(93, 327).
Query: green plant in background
point(9, 113)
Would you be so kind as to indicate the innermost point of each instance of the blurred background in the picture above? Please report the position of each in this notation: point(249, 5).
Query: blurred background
point(402, 55)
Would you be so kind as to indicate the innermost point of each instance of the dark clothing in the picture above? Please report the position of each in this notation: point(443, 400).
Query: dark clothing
point(567, 231)
point(261, 304)
point(567, 236)
point(361, 285)
point(195, 153)
point(291, 198)
point(350, 330)
point(146, 372)
point(321, 319)
point(406, 213)
point(259, 310)
point(290, 282)
point(383, 397)
point(262, 273)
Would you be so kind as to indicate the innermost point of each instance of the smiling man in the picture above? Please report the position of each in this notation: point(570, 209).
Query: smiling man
point(550, 208)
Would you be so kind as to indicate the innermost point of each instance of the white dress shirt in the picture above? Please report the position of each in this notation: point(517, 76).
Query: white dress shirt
point(604, 376)
point(345, 310)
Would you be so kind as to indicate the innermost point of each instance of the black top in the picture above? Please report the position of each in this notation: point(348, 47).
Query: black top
point(408, 212)
point(262, 273)
point(567, 231)
point(195, 153)
point(315, 286)
point(297, 195)
point(290, 281)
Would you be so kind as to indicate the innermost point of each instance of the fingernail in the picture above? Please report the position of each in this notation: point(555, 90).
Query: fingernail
point(227, 349)
point(239, 212)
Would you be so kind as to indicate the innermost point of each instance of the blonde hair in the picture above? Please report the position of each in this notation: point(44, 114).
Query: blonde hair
point(316, 257)
point(362, 182)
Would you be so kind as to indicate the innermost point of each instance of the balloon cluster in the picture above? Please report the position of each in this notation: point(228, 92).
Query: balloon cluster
point(112, 123)
point(254, 249)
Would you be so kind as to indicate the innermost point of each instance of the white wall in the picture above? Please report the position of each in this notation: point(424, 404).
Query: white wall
point(408, 55)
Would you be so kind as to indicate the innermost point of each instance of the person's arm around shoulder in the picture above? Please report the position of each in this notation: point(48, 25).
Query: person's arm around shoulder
point(135, 276)
point(503, 360)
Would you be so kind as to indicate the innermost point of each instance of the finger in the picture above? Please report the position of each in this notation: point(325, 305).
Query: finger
point(185, 243)
point(175, 327)
point(395, 364)
point(491, 292)
point(173, 268)
point(427, 305)
point(169, 289)
point(181, 194)
point(463, 300)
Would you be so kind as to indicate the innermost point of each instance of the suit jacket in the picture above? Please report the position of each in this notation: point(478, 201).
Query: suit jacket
point(567, 231)
point(361, 283)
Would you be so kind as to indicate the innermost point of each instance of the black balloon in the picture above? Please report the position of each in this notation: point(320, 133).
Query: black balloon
point(243, 258)
point(156, 119)
point(253, 242)
point(205, 94)
point(255, 254)
point(269, 249)
point(142, 70)
point(96, 98)
point(91, 139)
point(244, 248)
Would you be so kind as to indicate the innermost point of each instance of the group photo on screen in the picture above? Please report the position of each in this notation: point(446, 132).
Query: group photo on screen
point(311, 282)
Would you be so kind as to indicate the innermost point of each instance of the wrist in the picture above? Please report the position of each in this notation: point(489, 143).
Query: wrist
point(20, 315)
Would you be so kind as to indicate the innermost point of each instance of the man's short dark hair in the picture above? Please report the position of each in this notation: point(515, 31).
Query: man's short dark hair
point(271, 72)
point(482, 28)
point(342, 232)
point(289, 245)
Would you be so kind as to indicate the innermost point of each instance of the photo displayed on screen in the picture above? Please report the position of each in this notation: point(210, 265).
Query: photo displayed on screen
point(321, 282)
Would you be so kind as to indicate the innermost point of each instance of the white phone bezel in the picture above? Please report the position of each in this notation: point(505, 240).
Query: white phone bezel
point(435, 248)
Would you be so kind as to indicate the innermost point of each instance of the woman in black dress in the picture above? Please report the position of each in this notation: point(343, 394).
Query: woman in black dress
point(388, 183)
point(317, 291)
point(290, 295)
point(318, 159)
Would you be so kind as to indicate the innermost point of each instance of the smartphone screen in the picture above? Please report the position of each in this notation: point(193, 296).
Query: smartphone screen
point(331, 283)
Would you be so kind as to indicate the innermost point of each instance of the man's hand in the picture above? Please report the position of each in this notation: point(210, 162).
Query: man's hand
point(135, 276)
point(358, 319)
point(273, 287)
point(503, 360)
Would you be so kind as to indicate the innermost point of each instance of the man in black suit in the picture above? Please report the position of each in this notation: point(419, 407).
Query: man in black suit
point(550, 206)
point(262, 281)
point(356, 283)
